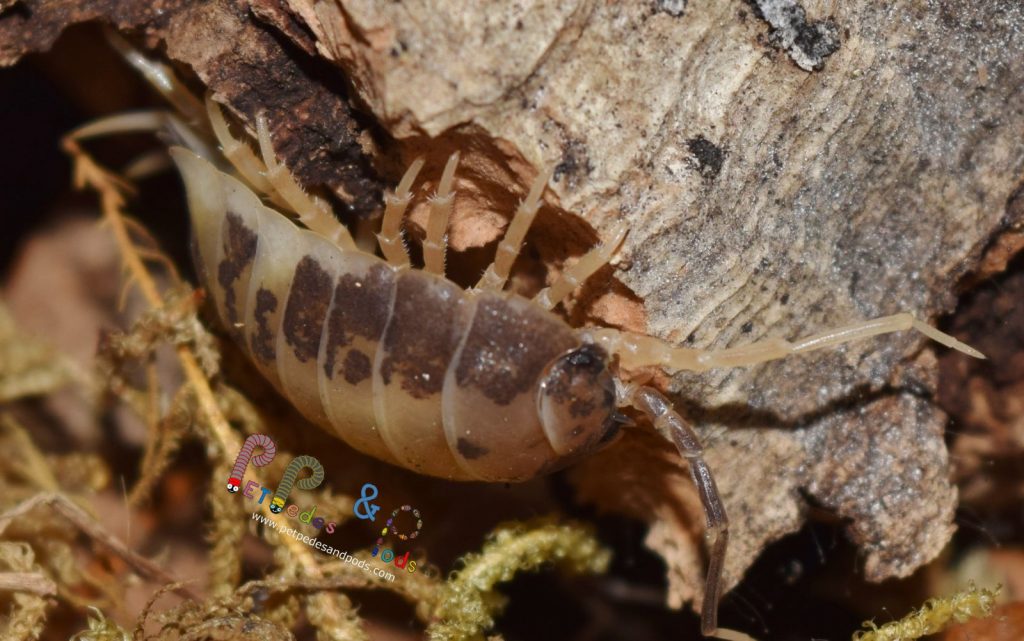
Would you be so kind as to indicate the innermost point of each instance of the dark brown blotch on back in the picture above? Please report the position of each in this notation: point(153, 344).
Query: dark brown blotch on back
point(582, 407)
point(306, 310)
point(508, 348)
point(470, 450)
point(422, 335)
point(361, 307)
point(263, 339)
point(239, 252)
point(356, 367)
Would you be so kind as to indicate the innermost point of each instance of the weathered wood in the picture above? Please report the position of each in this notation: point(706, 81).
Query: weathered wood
point(246, 66)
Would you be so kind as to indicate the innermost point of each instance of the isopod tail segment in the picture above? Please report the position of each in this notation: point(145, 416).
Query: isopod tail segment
point(245, 456)
point(291, 473)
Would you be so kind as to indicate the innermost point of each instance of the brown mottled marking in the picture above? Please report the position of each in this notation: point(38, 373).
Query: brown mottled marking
point(361, 309)
point(470, 450)
point(306, 310)
point(582, 407)
point(239, 252)
point(263, 339)
point(422, 335)
point(508, 347)
point(357, 367)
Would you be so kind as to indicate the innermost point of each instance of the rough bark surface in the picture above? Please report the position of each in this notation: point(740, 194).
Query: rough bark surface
point(246, 65)
point(762, 199)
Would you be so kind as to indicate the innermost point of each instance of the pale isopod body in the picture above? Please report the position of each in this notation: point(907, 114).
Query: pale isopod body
point(401, 364)
point(253, 441)
point(404, 365)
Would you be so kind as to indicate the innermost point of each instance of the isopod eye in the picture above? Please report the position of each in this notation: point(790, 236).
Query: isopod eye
point(232, 488)
point(576, 400)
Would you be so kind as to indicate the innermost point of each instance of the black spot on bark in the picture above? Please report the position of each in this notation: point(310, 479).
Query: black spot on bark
point(470, 450)
point(239, 252)
point(357, 367)
point(263, 339)
point(756, 9)
point(807, 42)
point(817, 40)
point(306, 310)
point(709, 156)
point(575, 163)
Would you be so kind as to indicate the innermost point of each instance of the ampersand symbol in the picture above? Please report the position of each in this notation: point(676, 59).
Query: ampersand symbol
point(363, 509)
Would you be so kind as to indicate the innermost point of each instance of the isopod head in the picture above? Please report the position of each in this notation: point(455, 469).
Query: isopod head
point(277, 506)
point(234, 485)
point(576, 401)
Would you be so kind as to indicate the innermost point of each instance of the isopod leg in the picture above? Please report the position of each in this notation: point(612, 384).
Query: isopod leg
point(672, 426)
point(635, 350)
point(313, 212)
point(572, 277)
point(390, 236)
point(437, 223)
point(508, 249)
point(244, 160)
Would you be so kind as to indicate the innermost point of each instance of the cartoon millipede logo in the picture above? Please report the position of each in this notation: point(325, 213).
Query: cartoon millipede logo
point(363, 509)
point(310, 482)
point(245, 455)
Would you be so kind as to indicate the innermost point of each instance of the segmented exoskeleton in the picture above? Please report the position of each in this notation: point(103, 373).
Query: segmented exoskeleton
point(253, 441)
point(404, 365)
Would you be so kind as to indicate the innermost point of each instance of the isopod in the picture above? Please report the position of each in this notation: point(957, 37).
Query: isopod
point(253, 441)
point(404, 365)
